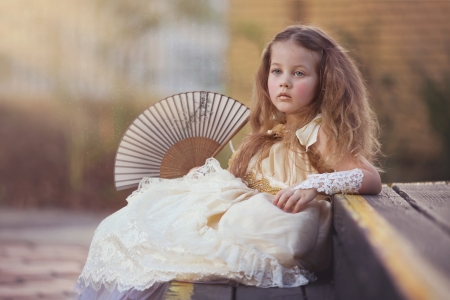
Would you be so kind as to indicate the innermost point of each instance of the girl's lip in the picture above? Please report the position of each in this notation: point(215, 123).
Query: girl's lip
point(283, 96)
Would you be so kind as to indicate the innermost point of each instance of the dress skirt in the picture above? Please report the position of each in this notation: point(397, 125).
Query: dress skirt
point(205, 226)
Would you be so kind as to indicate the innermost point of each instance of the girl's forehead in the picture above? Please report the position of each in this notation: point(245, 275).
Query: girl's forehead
point(288, 50)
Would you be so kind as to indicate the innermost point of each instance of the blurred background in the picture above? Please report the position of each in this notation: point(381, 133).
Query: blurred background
point(75, 73)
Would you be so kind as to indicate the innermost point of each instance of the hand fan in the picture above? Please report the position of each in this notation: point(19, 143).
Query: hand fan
point(176, 134)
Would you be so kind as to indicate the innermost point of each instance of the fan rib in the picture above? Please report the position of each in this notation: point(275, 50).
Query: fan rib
point(128, 158)
point(146, 153)
point(135, 173)
point(230, 137)
point(131, 139)
point(195, 106)
point(226, 121)
point(169, 117)
point(166, 128)
point(133, 168)
point(203, 115)
point(155, 117)
point(189, 125)
point(179, 131)
point(150, 150)
point(134, 156)
point(144, 124)
point(196, 113)
point(208, 120)
point(192, 118)
point(142, 164)
point(156, 126)
point(152, 160)
point(233, 122)
point(145, 138)
point(127, 186)
point(136, 179)
point(179, 121)
point(215, 104)
point(216, 119)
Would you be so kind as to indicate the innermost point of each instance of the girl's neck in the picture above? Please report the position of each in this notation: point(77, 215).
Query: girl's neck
point(290, 119)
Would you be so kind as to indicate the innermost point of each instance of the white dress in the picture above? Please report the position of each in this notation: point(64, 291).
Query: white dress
point(209, 226)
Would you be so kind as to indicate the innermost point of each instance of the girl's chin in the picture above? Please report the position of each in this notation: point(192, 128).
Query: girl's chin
point(288, 110)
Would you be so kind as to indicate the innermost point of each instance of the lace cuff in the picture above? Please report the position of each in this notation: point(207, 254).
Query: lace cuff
point(346, 182)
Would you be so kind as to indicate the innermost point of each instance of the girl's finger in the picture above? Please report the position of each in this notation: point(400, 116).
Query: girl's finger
point(277, 197)
point(283, 198)
point(298, 206)
point(281, 201)
point(291, 202)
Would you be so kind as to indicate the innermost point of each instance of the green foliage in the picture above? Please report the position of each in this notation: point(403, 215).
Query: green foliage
point(436, 96)
point(435, 93)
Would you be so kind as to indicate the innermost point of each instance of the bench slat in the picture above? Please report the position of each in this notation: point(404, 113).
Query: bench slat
point(432, 199)
point(190, 291)
point(321, 289)
point(255, 293)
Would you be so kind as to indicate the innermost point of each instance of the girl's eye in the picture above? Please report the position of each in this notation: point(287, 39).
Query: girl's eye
point(299, 73)
point(276, 71)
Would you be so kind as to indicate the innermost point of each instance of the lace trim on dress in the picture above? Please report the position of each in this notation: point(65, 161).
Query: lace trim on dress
point(346, 182)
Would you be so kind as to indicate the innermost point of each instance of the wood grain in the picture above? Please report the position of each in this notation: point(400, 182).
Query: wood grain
point(212, 292)
point(254, 293)
point(196, 291)
point(431, 199)
point(322, 288)
point(346, 281)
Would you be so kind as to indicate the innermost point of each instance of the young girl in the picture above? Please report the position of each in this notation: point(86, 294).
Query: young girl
point(265, 221)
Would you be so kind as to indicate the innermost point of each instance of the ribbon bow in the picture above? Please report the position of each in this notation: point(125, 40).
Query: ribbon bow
point(307, 135)
point(277, 131)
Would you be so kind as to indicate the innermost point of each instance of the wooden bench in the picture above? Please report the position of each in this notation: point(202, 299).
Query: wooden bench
point(395, 245)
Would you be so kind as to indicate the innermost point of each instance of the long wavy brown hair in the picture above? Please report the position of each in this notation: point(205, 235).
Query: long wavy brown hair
point(348, 122)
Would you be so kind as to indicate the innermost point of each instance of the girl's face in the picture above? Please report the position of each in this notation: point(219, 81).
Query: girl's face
point(292, 78)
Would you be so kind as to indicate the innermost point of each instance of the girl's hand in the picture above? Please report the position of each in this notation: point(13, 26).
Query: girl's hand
point(294, 201)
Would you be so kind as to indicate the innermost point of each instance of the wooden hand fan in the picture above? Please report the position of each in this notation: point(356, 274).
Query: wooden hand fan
point(176, 134)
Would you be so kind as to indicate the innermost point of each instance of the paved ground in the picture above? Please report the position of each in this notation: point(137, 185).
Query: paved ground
point(42, 252)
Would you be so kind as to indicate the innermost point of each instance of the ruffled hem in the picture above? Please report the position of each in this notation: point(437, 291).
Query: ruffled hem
point(133, 260)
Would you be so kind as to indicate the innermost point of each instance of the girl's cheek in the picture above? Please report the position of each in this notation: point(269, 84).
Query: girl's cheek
point(304, 89)
point(272, 85)
point(299, 90)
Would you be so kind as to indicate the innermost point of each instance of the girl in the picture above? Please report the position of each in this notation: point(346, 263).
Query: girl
point(265, 221)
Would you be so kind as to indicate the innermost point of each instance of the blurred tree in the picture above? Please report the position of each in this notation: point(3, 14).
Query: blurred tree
point(436, 95)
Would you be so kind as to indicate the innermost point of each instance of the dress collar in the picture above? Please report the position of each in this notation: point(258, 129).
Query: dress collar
point(307, 135)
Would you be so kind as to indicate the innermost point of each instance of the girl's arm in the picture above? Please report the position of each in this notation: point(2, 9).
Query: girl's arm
point(293, 200)
point(371, 183)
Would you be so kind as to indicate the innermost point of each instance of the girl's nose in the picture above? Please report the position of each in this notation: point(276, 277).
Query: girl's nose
point(284, 84)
